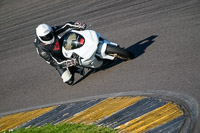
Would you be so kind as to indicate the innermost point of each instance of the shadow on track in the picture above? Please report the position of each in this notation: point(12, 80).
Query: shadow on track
point(137, 49)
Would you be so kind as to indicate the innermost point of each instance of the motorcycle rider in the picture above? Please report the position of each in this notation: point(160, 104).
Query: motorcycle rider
point(48, 46)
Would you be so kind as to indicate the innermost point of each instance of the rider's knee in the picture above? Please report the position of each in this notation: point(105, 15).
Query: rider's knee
point(67, 77)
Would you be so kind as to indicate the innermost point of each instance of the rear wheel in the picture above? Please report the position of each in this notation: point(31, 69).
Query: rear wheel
point(119, 52)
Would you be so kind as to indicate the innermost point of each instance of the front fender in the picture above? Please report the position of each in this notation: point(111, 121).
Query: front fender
point(101, 51)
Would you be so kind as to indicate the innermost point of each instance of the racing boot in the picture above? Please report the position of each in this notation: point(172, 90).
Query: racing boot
point(71, 80)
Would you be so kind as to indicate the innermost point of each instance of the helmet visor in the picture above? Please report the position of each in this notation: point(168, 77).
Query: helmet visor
point(48, 37)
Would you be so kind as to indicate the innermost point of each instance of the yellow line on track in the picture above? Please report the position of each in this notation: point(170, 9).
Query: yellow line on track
point(152, 119)
point(103, 109)
point(14, 120)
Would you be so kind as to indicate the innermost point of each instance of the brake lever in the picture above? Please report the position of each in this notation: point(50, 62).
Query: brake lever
point(88, 26)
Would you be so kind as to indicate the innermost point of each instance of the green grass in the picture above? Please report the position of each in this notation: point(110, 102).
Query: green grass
point(65, 128)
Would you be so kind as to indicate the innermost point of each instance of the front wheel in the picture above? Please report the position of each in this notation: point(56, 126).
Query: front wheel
point(119, 52)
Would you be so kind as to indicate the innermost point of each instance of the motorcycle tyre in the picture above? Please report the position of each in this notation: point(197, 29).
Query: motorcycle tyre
point(119, 52)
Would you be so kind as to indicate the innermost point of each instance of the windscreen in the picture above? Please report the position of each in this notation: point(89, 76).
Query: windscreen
point(73, 41)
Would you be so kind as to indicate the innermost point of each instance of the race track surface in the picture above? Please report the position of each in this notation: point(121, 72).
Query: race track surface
point(164, 35)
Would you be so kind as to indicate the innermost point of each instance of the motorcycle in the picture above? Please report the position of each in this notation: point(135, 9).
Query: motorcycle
point(91, 48)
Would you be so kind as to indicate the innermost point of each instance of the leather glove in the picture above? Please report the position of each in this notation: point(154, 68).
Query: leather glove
point(67, 63)
point(81, 26)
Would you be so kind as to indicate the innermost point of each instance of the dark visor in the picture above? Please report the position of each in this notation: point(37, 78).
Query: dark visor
point(47, 37)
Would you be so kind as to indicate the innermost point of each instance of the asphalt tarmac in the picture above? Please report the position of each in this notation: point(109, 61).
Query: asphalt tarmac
point(164, 35)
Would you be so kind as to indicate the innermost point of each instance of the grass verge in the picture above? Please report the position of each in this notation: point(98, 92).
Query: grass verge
point(65, 128)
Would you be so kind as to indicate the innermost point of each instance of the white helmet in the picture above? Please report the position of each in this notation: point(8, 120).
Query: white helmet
point(44, 33)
